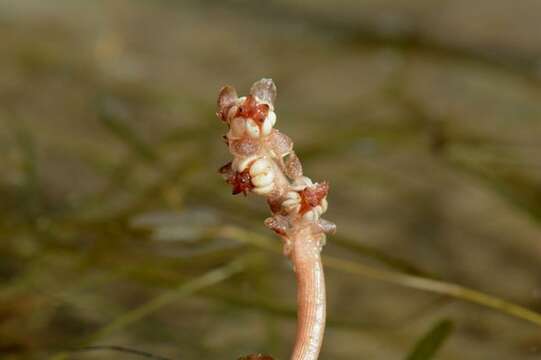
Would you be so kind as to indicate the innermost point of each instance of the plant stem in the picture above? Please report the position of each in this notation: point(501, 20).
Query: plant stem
point(311, 300)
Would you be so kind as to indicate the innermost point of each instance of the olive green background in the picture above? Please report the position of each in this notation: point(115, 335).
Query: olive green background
point(115, 228)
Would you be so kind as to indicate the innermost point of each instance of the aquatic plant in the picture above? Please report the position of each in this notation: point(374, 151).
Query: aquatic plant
point(265, 163)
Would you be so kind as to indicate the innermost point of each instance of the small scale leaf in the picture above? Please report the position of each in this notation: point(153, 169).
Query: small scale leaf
point(265, 90)
point(427, 346)
point(227, 97)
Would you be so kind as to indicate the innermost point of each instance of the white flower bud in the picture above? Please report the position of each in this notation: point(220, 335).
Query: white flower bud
point(301, 183)
point(240, 164)
point(272, 117)
point(261, 165)
point(252, 128)
point(264, 190)
point(292, 202)
point(324, 205)
point(268, 123)
point(263, 179)
point(311, 215)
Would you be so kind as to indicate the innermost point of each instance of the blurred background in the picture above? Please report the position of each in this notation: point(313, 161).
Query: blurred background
point(116, 229)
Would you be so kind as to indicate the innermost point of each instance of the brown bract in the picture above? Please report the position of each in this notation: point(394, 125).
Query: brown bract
point(245, 146)
point(251, 109)
point(312, 196)
point(280, 143)
point(240, 181)
point(226, 98)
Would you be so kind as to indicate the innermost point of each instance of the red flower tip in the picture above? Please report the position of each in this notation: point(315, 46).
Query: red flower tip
point(251, 109)
point(312, 196)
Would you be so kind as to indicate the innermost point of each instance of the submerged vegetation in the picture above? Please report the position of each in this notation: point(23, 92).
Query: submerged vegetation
point(116, 229)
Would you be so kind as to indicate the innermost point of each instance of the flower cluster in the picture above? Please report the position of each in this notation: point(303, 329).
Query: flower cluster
point(264, 163)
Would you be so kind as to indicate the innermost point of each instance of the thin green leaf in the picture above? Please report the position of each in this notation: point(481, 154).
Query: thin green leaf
point(415, 282)
point(183, 290)
point(427, 346)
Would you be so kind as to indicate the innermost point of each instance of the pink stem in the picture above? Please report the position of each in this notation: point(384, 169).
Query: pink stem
point(310, 296)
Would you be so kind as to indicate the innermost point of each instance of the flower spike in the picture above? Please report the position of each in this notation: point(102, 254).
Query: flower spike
point(265, 164)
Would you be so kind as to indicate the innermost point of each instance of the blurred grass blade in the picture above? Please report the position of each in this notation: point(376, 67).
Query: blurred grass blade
point(437, 287)
point(241, 212)
point(114, 117)
point(376, 254)
point(427, 346)
point(519, 190)
point(401, 279)
point(212, 277)
point(274, 308)
point(183, 290)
